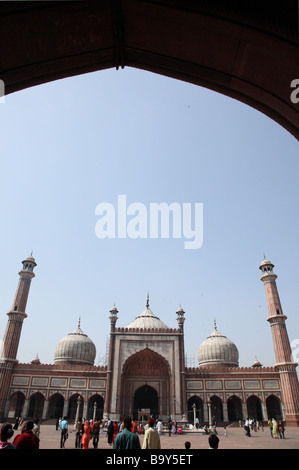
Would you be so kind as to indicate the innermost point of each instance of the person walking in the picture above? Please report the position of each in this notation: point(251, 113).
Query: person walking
point(169, 428)
point(86, 435)
point(281, 430)
point(274, 431)
point(134, 427)
point(26, 440)
point(151, 437)
point(110, 430)
point(159, 427)
point(64, 432)
point(6, 432)
point(36, 427)
point(17, 422)
point(115, 431)
point(95, 434)
point(247, 428)
point(126, 439)
point(79, 434)
point(270, 424)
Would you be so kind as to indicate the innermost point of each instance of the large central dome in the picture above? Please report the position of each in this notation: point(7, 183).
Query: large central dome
point(75, 348)
point(218, 350)
point(147, 319)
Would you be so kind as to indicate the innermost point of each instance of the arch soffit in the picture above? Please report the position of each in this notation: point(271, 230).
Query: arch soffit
point(75, 395)
point(17, 393)
point(195, 397)
point(153, 386)
point(145, 361)
point(37, 394)
point(53, 393)
point(234, 397)
point(94, 396)
point(254, 396)
point(274, 395)
point(225, 47)
point(216, 397)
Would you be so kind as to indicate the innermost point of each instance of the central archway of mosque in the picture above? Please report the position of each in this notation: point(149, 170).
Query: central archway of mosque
point(146, 384)
point(145, 398)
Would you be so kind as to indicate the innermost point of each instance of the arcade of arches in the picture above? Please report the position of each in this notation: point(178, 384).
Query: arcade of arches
point(146, 397)
point(35, 406)
point(236, 410)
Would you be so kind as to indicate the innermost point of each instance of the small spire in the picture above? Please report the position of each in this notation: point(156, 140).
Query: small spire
point(215, 326)
point(79, 322)
point(147, 301)
point(114, 309)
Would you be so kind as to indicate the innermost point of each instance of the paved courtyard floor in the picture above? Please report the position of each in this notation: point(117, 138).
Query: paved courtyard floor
point(235, 439)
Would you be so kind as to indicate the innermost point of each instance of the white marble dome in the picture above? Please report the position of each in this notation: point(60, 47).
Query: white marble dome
point(218, 350)
point(147, 319)
point(75, 348)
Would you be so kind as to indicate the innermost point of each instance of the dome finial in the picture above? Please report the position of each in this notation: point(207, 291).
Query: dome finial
point(147, 301)
point(79, 322)
point(215, 326)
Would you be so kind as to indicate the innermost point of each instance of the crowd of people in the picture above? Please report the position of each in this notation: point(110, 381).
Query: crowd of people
point(27, 439)
point(123, 434)
point(277, 428)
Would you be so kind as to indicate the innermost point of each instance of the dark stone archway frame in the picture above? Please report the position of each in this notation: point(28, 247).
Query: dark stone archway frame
point(246, 50)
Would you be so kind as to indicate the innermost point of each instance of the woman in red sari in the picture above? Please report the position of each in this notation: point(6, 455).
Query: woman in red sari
point(86, 436)
point(115, 431)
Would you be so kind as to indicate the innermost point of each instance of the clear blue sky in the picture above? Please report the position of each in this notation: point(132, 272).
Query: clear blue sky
point(71, 144)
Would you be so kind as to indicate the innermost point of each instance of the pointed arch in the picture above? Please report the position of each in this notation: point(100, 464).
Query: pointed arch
point(36, 405)
point(254, 408)
point(16, 405)
point(56, 404)
point(273, 406)
point(199, 410)
point(234, 408)
point(146, 368)
point(95, 407)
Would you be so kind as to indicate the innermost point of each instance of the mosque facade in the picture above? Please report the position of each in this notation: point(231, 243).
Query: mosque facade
point(146, 371)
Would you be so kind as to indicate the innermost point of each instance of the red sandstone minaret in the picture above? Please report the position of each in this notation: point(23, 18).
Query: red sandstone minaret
point(282, 348)
point(113, 320)
point(181, 319)
point(13, 330)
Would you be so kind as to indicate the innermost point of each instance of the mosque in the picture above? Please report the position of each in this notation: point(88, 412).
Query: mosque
point(146, 371)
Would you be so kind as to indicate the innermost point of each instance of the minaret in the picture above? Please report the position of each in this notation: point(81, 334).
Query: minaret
point(113, 319)
point(181, 319)
point(13, 330)
point(283, 353)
